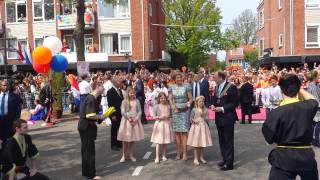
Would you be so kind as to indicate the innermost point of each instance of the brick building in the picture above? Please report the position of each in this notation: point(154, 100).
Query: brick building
point(288, 31)
point(237, 56)
point(111, 31)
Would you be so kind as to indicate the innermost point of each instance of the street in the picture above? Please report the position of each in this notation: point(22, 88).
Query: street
point(60, 158)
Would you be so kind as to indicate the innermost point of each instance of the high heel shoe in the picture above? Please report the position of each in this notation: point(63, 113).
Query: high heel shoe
point(123, 159)
point(196, 162)
point(157, 161)
point(164, 158)
point(133, 159)
point(203, 161)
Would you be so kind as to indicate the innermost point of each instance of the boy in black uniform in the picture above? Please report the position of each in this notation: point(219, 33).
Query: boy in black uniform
point(6, 167)
point(88, 131)
point(19, 148)
point(290, 127)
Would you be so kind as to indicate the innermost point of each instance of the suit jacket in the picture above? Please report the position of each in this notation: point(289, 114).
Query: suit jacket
point(229, 102)
point(204, 90)
point(140, 91)
point(246, 93)
point(115, 100)
point(14, 106)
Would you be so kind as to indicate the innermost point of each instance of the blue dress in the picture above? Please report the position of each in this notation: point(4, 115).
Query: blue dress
point(180, 120)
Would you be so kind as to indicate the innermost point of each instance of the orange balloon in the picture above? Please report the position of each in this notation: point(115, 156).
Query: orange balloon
point(42, 55)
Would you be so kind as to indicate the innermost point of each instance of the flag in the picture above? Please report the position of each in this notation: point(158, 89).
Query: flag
point(19, 51)
point(27, 54)
point(74, 87)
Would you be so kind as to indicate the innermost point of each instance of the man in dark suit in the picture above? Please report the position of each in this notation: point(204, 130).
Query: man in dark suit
point(115, 97)
point(224, 104)
point(139, 88)
point(9, 110)
point(246, 98)
point(200, 87)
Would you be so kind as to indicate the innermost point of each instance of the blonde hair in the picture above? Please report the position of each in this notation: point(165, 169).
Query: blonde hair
point(126, 101)
point(162, 94)
point(196, 105)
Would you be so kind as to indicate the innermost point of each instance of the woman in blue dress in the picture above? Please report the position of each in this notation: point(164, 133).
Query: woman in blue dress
point(180, 97)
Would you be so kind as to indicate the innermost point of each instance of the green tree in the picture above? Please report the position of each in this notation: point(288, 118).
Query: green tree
point(188, 35)
point(245, 27)
point(251, 56)
point(220, 65)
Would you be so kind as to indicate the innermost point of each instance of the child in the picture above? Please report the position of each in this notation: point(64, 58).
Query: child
point(162, 131)
point(130, 129)
point(199, 134)
point(19, 148)
point(37, 113)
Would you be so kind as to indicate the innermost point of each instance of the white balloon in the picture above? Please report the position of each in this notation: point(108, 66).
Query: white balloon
point(53, 43)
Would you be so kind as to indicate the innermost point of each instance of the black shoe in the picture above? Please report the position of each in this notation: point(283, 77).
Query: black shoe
point(221, 163)
point(226, 168)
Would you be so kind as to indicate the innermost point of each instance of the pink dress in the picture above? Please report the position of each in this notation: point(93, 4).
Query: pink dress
point(199, 134)
point(162, 131)
point(127, 132)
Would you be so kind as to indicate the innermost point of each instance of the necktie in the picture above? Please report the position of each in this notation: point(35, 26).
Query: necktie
point(2, 104)
point(196, 90)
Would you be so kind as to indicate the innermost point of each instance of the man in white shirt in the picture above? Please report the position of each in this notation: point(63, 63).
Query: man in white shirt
point(84, 88)
point(271, 96)
point(107, 85)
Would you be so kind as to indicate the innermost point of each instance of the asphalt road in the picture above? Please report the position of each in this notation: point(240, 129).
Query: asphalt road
point(60, 159)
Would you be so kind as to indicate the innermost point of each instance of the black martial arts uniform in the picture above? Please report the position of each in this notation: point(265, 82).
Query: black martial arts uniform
point(18, 152)
point(6, 167)
point(290, 127)
point(88, 133)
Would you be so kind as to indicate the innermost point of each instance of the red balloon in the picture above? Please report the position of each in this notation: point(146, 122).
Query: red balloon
point(41, 68)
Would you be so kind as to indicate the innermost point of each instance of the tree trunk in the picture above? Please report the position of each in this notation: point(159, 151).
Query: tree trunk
point(78, 33)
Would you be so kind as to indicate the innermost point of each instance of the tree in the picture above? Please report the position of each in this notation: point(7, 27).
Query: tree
point(78, 33)
point(188, 35)
point(251, 56)
point(245, 27)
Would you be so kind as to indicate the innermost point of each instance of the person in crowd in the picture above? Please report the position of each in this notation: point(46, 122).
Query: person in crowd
point(224, 106)
point(87, 127)
point(131, 129)
point(46, 100)
point(107, 86)
point(20, 148)
point(139, 89)
point(115, 98)
point(38, 112)
point(314, 89)
point(199, 135)
point(84, 88)
point(246, 99)
point(180, 98)
point(271, 96)
point(290, 127)
point(7, 168)
point(162, 133)
point(164, 88)
point(9, 110)
point(204, 88)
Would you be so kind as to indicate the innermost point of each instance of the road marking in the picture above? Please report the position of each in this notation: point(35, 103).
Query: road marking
point(137, 171)
point(153, 145)
point(147, 155)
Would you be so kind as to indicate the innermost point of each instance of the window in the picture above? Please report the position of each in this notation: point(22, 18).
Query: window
point(108, 10)
point(151, 45)
point(38, 41)
point(16, 11)
point(312, 36)
point(43, 10)
point(12, 45)
point(261, 47)
point(23, 42)
point(280, 4)
point(88, 43)
point(70, 42)
point(125, 45)
point(281, 40)
point(236, 52)
point(150, 9)
point(261, 19)
point(312, 3)
point(114, 43)
point(109, 43)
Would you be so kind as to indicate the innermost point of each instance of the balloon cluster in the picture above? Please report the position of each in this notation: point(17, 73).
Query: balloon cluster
point(46, 57)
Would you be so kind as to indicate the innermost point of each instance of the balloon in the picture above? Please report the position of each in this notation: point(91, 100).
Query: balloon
point(53, 43)
point(41, 68)
point(42, 55)
point(59, 63)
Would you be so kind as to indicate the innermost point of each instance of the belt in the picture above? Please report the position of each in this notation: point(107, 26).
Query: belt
point(294, 145)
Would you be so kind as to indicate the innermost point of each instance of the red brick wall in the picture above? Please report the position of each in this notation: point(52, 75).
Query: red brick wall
point(136, 31)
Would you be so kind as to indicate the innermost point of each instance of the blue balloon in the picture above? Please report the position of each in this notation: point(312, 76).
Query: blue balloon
point(59, 63)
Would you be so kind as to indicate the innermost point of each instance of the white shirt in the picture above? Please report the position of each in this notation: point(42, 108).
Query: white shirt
point(84, 87)
point(194, 95)
point(221, 86)
point(5, 103)
point(271, 97)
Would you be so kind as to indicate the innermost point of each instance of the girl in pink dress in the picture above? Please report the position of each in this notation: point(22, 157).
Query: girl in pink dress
point(199, 134)
point(162, 131)
point(130, 129)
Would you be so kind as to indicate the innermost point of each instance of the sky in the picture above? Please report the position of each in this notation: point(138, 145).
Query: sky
point(230, 9)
